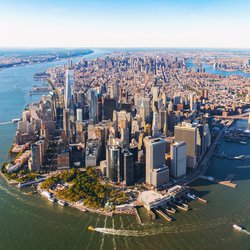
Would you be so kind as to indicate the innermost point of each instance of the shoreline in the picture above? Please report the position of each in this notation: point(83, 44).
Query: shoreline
point(23, 64)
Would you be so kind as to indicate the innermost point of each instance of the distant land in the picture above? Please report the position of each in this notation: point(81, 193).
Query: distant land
point(21, 57)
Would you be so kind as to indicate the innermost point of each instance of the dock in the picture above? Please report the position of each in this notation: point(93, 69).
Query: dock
point(171, 210)
point(201, 199)
point(164, 215)
point(185, 209)
point(227, 182)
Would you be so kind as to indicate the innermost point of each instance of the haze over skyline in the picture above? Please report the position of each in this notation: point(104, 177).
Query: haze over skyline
point(96, 23)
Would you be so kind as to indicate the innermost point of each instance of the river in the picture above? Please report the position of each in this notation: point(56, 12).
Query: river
point(31, 222)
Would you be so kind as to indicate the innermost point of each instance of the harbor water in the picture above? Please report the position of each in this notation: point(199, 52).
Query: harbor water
point(31, 222)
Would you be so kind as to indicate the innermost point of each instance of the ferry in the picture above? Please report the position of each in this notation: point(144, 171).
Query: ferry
point(90, 228)
point(15, 120)
point(238, 157)
point(51, 199)
point(61, 203)
point(237, 227)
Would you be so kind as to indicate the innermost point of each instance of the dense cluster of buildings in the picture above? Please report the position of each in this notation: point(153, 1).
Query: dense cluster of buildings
point(137, 117)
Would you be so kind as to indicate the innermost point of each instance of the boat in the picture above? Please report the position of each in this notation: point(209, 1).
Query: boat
point(243, 142)
point(15, 120)
point(61, 203)
point(51, 199)
point(237, 227)
point(238, 157)
point(191, 196)
point(90, 228)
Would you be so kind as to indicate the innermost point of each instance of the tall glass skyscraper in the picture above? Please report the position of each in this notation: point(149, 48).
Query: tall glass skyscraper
point(68, 85)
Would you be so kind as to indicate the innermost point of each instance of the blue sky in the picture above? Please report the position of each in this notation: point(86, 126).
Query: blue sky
point(137, 23)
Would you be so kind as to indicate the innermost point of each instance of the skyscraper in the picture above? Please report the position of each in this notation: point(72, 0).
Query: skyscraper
point(93, 104)
point(68, 86)
point(188, 134)
point(178, 159)
point(79, 114)
point(113, 158)
point(155, 161)
point(155, 124)
point(128, 167)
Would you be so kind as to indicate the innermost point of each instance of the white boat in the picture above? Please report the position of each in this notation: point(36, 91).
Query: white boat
point(239, 157)
point(15, 120)
point(61, 203)
point(51, 199)
point(237, 227)
point(191, 196)
point(243, 142)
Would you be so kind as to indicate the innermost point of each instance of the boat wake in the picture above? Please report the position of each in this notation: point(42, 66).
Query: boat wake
point(156, 231)
point(245, 232)
point(4, 123)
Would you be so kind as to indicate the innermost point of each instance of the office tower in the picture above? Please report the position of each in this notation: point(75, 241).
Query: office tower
point(93, 105)
point(178, 159)
point(204, 93)
point(155, 124)
point(192, 103)
point(177, 99)
point(155, 92)
point(114, 93)
point(146, 103)
point(79, 114)
point(99, 108)
point(188, 134)
point(113, 158)
point(66, 123)
point(171, 118)
point(142, 112)
point(125, 136)
point(160, 176)
point(206, 139)
point(68, 86)
point(37, 153)
point(128, 167)
point(156, 170)
point(162, 118)
point(109, 107)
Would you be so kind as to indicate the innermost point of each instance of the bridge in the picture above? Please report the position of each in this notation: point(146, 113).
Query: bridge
point(245, 116)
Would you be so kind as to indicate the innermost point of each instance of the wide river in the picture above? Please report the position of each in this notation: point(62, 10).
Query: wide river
point(30, 222)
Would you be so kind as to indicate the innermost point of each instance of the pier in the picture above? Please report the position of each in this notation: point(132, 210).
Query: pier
point(164, 215)
point(226, 182)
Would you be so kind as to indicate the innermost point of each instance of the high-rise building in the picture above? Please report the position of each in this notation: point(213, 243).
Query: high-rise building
point(93, 104)
point(113, 158)
point(79, 114)
point(178, 159)
point(155, 92)
point(109, 107)
point(128, 167)
point(162, 118)
point(68, 86)
point(155, 161)
point(142, 112)
point(188, 134)
point(155, 124)
point(37, 154)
